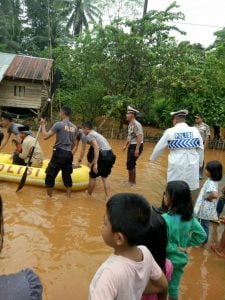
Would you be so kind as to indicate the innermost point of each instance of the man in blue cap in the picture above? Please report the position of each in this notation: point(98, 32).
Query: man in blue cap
point(186, 150)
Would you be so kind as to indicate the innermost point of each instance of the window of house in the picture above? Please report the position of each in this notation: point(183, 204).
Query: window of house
point(19, 91)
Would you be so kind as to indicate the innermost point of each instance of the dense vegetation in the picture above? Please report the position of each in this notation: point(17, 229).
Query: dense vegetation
point(125, 59)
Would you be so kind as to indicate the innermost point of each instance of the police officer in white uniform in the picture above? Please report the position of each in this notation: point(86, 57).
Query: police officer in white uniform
point(186, 150)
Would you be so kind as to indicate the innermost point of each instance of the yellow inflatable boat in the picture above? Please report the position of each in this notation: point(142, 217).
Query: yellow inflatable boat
point(36, 176)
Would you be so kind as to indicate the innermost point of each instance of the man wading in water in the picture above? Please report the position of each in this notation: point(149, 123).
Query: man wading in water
point(62, 157)
point(134, 143)
point(186, 150)
point(103, 158)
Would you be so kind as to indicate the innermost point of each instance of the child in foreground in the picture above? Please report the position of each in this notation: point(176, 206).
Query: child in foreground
point(130, 269)
point(183, 230)
point(156, 242)
point(206, 204)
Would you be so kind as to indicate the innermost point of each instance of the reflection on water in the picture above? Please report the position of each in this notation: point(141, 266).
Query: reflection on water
point(60, 238)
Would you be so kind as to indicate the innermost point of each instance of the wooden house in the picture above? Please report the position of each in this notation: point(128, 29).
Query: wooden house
point(25, 82)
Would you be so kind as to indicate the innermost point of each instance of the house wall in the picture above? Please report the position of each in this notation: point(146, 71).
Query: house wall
point(23, 94)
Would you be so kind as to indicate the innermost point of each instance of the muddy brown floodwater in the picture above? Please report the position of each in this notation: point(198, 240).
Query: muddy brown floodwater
point(60, 238)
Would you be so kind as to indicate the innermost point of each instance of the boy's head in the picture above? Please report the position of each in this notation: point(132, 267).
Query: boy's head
point(87, 127)
point(127, 220)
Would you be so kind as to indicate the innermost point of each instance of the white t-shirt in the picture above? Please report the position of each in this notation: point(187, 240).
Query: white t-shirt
point(204, 209)
point(120, 278)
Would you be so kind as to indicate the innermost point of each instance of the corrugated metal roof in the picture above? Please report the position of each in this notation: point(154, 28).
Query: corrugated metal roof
point(5, 61)
point(28, 67)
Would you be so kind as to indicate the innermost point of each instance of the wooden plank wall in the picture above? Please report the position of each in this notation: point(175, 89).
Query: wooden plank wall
point(32, 98)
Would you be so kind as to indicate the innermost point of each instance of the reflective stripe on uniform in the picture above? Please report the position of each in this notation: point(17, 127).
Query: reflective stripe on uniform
point(184, 143)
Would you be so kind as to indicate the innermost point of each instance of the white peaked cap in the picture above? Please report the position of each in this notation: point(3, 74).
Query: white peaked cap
point(131, 109)
point(182, 112)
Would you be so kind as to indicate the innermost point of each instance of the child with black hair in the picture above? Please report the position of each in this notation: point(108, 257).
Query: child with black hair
point(206, 205)
point(156, 241)
point(131, 269)
point(183, 230)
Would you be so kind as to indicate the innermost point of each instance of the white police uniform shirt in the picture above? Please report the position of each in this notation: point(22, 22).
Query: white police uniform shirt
point(186, 153)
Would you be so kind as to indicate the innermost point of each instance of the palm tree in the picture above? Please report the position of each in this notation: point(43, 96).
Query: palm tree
point(145, 7)
point(80, 12)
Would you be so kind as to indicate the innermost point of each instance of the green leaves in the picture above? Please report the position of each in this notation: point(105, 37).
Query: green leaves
point(129, 62)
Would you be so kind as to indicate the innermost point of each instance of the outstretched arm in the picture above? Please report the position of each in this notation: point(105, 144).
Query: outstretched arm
point(75, 148)
point(160, 146)
point(46, 134)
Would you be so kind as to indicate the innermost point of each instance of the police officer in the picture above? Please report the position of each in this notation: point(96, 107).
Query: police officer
point(103, 158)
point(11, 128)
point(134, 143)
point(204, 130)
point(186, 150)
point(62, 157)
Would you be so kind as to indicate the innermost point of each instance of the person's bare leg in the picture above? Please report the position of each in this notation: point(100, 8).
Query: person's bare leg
point(134, 175)
point(49, 191)
point(91, 186)
point(221, 247)
point(106, 185)
point(68, 191)
point(131, 177)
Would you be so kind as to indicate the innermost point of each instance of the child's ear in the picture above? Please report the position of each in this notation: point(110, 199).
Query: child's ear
point(119, 239)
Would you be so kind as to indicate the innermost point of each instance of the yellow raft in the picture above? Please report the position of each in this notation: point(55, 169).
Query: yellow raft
point(36, 176)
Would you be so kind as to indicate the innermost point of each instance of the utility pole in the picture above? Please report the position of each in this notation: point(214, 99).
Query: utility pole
point(145, 8)
point(49, 30)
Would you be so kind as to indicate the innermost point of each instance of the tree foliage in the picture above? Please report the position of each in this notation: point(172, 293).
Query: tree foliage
point(79, 13)
point(130, 58)
point(10, 25)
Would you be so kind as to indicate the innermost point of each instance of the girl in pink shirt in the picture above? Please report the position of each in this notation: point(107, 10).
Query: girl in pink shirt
point(156, 242)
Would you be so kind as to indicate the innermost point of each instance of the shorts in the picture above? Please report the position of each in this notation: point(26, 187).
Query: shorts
point(90, 155)
point(106, 161)
point(61, 160)
point(131, 159)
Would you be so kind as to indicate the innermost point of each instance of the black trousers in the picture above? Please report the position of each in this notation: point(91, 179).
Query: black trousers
point(131, 158)
point(61, 160)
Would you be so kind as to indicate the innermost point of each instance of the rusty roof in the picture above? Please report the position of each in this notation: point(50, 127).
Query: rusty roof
point(28, 67)
point(5, 61)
